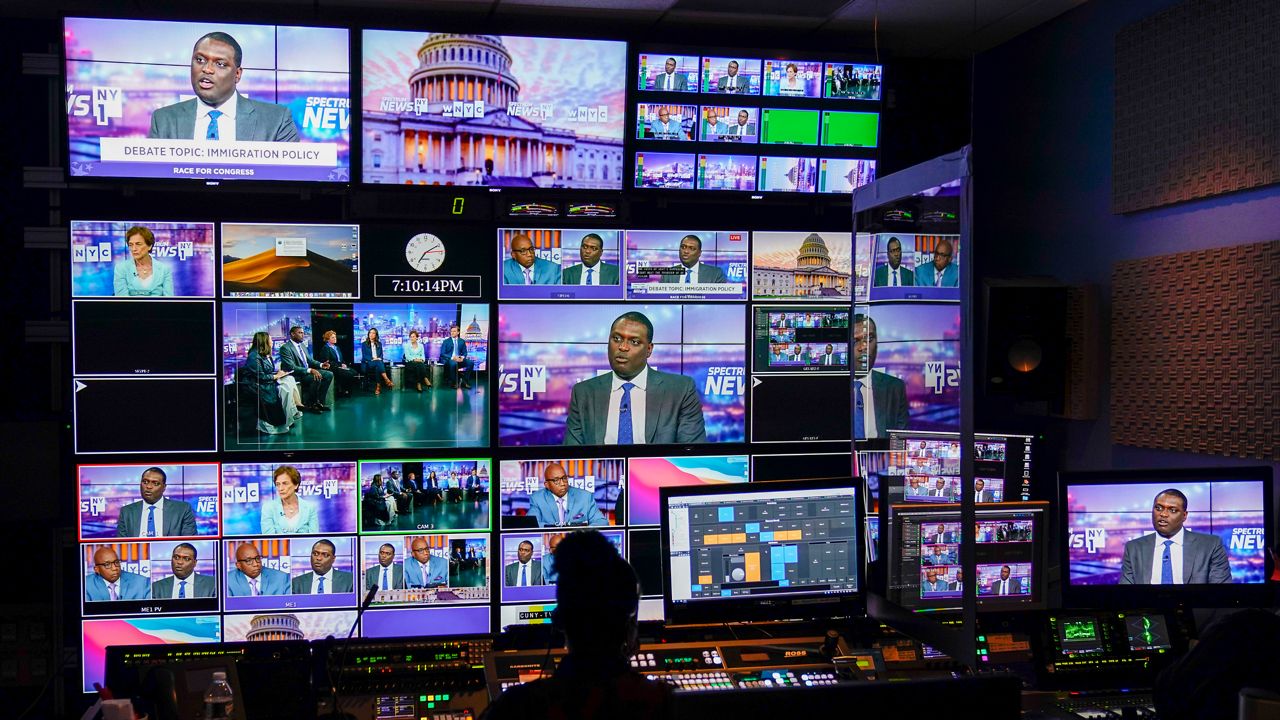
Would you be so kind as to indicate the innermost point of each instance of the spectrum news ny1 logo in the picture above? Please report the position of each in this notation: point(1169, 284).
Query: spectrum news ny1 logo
point(95, 506)
point(1093, 540)
point(105, 103)
point(939, 377)
point(249, 493)
point(532, 379)
point(100, 252)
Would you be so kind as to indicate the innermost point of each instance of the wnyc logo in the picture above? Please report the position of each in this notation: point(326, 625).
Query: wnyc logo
point(939, 377)
point(1093, 540)
point(103, 103)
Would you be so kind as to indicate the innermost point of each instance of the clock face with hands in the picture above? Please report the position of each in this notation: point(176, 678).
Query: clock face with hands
point(424, 252)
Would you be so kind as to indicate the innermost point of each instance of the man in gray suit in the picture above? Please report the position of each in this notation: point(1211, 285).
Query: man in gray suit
point(387, 574)
point(590, 271)
point(296, 359)
point(525, 571)
point(323, 578)
point(218, 112)
point(730, 82)
point(691, 271)
point(155, 515)
point(669, 80)
point(1174, 555)
point(888, 394)
point(185, 582)
point(634, 403)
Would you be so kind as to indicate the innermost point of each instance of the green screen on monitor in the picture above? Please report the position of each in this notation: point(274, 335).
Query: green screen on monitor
point(850, 129)
point(789, 127)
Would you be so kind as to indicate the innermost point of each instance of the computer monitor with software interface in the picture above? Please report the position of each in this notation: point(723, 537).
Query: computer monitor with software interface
point(779, 550)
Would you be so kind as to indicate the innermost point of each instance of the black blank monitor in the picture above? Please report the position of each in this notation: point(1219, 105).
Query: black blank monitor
point(780, 551)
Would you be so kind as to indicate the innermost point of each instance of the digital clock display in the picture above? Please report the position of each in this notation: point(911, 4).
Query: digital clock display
point(432, 286)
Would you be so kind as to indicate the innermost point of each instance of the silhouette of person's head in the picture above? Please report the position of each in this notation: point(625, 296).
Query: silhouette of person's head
point(597, 597)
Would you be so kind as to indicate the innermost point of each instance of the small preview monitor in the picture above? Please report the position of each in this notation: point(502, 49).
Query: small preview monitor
point(853, 81)
point(559, 264)
point(648, 475)
point(726, 172)
point(802, 266)
point(149, 501)
point(432, 569)
point(668, 73)
point(785, 126)
point(665, 170)
point(787, 174)
point(142, 259)
point(212, 101)
point(926, 467)
point(915, 267)
point(291, 572)
point(792, 78)
point(302, 498)
point(800, 339)
point(850, 129)
point(527, 566)
point(731, 76)
point(924, 557)
point(290, 261)
point(149, 576)
point(586, 492)
point(842, 175)
point(431, 495)
point(780, 550)
point(730, 124)
point(687, 264)
point(119, 337)
point(666, 121)
point(99, 634)
point(1167, 535)
point(906, 368)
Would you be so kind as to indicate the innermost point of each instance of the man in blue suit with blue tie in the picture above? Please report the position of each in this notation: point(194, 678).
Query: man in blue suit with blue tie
point(942, 272)
point(155, 515)
point(425, 570)
point(453, 356)
point(560, 505)
point(108, 582)
point(1182, 557)
point(251, 579)
point(524, 267)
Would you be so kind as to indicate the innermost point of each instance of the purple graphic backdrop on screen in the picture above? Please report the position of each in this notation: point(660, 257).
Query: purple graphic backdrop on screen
point(291, 625)
point(654, 269)
point(457, 109)
point(604, 478)
point(114, 83)
point(920, 345)
point(98, 635)
point(468, 576)
point(329, 490)
point(544, 350)
point(105, 489)
point(546, 591)
point(185, 248)
point(1102, 518)
point(665, 171)
point(432, 321)
point(726, 172)
point(417, 622)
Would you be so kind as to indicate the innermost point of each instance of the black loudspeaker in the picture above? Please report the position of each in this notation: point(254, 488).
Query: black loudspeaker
point(1028, 345)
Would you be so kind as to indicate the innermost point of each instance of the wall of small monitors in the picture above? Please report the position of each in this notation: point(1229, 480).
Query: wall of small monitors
point(755, 124)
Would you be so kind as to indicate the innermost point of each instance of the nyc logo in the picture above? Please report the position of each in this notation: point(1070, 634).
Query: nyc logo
point(247, 493)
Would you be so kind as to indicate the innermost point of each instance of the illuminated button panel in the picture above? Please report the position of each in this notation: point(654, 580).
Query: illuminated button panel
point(698, 681)
point(417, 707)
point(677, 660)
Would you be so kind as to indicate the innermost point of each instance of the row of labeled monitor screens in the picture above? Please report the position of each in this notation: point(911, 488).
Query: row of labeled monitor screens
point(223, 101)
point(298, 261)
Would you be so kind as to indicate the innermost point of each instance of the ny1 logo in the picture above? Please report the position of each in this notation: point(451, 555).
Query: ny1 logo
point(103, 103)
point(531, 379)
point(1093, 540)
point(94, 506)
point(938, 377)
point(182, 250)
point(327, 488)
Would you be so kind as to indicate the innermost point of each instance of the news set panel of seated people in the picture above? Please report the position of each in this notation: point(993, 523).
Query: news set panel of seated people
point(108, 582)
point(392, 495)
point(140, 274)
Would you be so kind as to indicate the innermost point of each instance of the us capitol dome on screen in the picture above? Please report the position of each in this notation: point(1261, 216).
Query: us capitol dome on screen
point(497, 149)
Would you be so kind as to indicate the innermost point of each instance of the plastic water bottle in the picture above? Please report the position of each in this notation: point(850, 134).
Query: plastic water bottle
point(218, 702)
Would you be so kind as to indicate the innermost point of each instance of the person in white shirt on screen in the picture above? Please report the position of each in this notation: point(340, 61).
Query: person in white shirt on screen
point(979, 494)
point(218, 111)
point(691, 271)
point(185, 582)
point(828, 356)
point(669, 80)
point(525, 571)
point(1174, 555)
point(731, 82)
